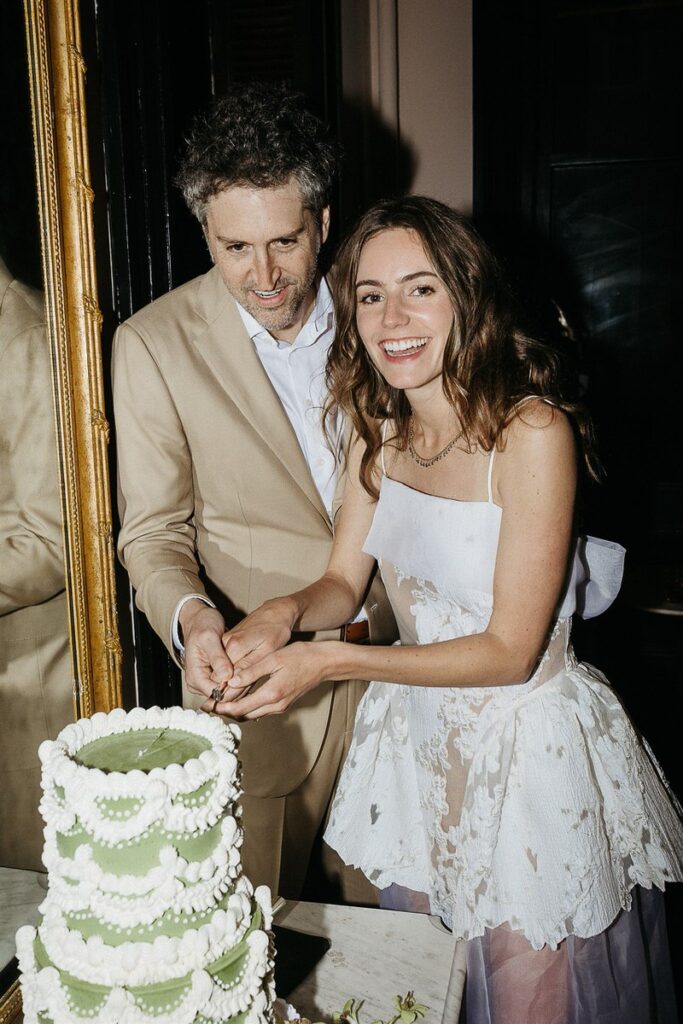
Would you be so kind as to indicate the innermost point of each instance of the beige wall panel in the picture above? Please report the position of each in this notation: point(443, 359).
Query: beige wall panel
point(435, 95)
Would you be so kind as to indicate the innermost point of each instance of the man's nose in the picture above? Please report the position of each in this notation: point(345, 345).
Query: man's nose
point(395, 313)
point(265, 271)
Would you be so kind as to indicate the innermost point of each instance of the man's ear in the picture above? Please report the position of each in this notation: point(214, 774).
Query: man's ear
point(206, 239)
point(324, 224)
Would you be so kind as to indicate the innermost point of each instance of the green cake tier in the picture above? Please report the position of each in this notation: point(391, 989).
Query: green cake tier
point(228, 972)
point(144, 749)
point(141, 853)
point(174, 925)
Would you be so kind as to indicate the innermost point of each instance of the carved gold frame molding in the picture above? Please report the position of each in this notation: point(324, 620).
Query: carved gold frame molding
point(57, 72)
point(57, 83)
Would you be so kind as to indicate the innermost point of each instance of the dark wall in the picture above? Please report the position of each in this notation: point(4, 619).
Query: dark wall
point(19, 234)
point(578, 131)
point(578, 165)
point(578, 171)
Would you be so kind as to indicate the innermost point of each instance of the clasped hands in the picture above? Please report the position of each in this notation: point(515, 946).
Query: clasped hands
point(257, 648)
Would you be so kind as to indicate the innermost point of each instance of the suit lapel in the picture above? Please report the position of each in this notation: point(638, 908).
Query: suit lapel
point(230, 354)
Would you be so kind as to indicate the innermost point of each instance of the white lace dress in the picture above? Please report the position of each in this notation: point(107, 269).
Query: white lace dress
point(536, 805)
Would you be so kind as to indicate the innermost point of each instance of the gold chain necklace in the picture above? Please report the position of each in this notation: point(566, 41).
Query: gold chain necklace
point(426, 463)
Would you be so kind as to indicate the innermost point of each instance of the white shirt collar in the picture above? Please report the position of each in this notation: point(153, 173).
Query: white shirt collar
point(319, 321)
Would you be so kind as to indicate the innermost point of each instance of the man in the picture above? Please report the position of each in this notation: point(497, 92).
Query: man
point(226, 481)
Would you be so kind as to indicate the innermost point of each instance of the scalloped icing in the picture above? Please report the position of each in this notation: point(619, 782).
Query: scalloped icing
point(160, 958)
point(138, 856)
point(151, 796)
point(147, 919)
point(171, 884)
point(224, 989)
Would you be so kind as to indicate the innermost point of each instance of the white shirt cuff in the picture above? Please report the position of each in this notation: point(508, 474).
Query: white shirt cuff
point(176, 642)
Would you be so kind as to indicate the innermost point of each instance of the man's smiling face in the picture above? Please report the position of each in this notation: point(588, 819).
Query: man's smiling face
point(266, 244)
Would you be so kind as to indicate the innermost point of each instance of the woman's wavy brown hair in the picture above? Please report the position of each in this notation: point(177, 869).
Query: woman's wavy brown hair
point(489, 363)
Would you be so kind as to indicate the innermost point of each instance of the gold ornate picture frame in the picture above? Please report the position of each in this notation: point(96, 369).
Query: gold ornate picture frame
point(57, 73)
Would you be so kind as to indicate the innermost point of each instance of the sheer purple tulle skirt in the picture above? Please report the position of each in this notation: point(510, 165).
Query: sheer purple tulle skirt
point(622, 976)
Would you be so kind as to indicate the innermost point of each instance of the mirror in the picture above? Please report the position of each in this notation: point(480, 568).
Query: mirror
point(36, 690)
point(55, 514)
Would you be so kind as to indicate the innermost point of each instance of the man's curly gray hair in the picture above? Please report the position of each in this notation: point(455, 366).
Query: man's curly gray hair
point(261, 135)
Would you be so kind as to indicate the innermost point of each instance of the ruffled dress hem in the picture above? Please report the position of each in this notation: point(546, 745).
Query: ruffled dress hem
point(552, 939)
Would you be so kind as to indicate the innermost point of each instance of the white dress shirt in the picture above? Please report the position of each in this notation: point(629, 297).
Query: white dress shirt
point(297, 372)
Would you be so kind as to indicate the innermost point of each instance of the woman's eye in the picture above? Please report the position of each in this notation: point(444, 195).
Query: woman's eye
point(369, 299)
point(423, 289)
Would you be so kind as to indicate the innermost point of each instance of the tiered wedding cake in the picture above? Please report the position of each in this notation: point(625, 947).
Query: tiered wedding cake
point(148, 918)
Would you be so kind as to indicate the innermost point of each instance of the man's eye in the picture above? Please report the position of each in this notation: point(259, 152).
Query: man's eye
point(236, 247)
point(286, 243)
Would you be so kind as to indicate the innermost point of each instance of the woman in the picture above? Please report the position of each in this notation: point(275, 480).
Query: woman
point(491, 778)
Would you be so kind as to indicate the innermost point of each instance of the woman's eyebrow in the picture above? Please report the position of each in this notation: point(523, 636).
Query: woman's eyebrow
point(401, 280)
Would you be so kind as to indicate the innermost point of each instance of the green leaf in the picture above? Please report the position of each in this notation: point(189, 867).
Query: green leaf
point(407, 1011)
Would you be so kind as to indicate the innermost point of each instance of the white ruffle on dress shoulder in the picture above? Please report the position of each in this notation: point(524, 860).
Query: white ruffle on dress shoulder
point(535, 805)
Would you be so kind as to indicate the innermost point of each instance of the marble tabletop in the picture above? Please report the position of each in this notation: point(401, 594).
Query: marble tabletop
point(374, 955)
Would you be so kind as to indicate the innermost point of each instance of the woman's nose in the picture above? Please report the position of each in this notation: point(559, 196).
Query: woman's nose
point(395, 313)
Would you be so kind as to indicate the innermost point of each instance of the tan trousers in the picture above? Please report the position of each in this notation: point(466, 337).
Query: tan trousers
point(36, 701)
point(279, 832)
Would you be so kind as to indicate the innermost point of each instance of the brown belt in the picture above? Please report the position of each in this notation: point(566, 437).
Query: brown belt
point(356, 632)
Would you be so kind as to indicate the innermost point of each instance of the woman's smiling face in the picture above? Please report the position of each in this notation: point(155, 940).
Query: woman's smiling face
point(403, 312)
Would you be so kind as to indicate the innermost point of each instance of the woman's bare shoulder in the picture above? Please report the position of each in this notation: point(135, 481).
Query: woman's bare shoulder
point(538, 451)
point(538, 424)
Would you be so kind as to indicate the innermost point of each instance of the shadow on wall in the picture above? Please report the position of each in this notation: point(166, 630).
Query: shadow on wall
point(376, 162)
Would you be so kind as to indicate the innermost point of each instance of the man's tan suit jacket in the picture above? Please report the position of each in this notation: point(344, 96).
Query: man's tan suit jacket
point(211, 472)
point(36, 689)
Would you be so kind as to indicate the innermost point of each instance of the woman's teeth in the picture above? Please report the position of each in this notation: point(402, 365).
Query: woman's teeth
point(403, 346)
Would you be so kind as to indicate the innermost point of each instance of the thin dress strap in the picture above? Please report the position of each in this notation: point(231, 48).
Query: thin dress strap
point(383, 433)
point(526, 398)
point(490, 477)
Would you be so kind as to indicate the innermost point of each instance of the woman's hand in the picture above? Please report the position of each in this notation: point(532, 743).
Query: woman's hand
point(292, 671)
point(263, 631)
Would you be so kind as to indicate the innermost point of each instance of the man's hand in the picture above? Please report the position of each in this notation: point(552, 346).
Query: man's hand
point(206, 663)
point(293, 671)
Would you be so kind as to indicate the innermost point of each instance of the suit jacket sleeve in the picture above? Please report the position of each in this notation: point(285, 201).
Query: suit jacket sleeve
point(155, 485)
point(31, 550)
